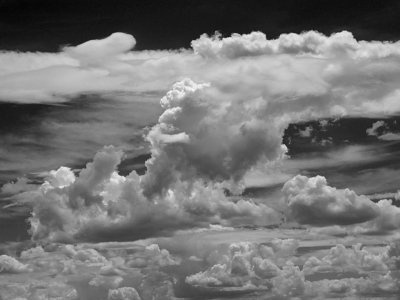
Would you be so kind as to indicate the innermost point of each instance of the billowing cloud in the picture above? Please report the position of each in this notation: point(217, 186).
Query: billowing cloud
point(310, 73)
point(99, 204)
point(82, 272)
point(248, 267)
point(124, 293)
point(312, 201)
point(311, 42)
point(212, 138)
point(9, 264)
point(215, 128)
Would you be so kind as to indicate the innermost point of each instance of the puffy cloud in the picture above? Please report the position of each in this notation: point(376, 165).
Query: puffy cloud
point(97, 51)
point(62, 177)
point(248, 265)
point(199, 147)
point(306, 132)
point(9, 264)
point(85, 255)
point(310, 42)
point(340, 259)
point(380, 130)
point(386, 221)
point(337, 271)
point(312, 201)
point(91, 271)
point(123, 293)
point(375, 126)
point(222, 140)
point(99, 204)
point(309, 73)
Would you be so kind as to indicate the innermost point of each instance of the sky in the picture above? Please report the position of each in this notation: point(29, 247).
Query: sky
point(199, 149)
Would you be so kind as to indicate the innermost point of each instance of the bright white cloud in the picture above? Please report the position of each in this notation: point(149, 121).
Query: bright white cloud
point(312, 201)
point(99, 204)
point(308, 73)
point(311, 42)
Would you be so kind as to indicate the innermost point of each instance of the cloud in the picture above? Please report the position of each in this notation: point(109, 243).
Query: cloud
point(215, 128)
point(99, 51)
point(375, 126)
point(312, 201)
point(99, 204)
point(306, 76)
point(246, 265)
point(123, 293)
point(256, 267)
point(306, 132)
point(70, 134)
point(220, 140)
point(380, 130)
point(82, 272)
point(9, 264)
point(316, 74)
point(341, 259)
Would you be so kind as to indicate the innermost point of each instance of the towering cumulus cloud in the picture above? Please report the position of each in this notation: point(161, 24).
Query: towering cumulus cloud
point(227, 119)
point(201, 135)
point(185, 228)
point(194, 143)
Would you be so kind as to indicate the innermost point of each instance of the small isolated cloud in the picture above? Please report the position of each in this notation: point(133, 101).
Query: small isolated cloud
point(381, 131)
point(306, 132)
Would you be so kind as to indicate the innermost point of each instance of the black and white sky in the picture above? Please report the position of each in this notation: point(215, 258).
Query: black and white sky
point(195, 149)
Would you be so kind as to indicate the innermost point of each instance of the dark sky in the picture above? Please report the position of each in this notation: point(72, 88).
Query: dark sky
point(45, 25)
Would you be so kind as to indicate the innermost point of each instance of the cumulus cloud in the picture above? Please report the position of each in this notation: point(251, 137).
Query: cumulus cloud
point(96, 52)
point(246, 265)
point(316, 75)
point(312, 201)
point(341, 259)
point(212, 139)
point(337, 271)
point(74, 272)
point(214, 129)
point(311, 42)
point(381, 131)
point(99, 204)
point(9, 264)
